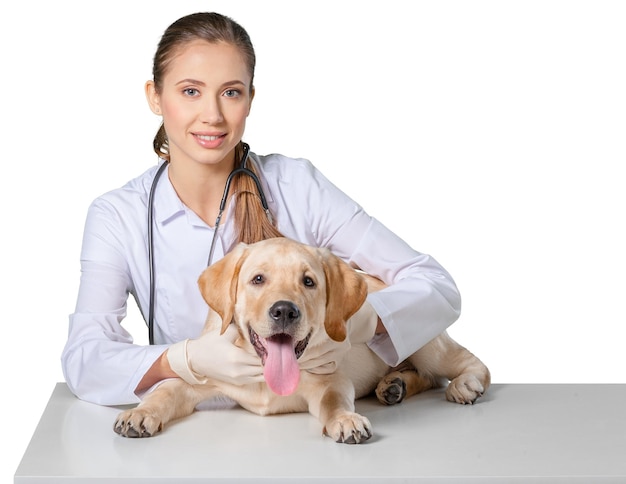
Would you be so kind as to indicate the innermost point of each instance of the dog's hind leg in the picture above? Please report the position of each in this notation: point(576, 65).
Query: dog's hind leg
point(445, 358)
point(403, 382)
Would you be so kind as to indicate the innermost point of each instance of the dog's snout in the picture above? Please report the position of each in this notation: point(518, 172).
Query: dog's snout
point(284, 312)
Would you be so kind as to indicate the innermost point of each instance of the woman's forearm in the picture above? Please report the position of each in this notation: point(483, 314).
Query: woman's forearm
point(160, 370)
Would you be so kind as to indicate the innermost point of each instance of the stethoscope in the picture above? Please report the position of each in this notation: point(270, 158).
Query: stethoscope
point(238, 170)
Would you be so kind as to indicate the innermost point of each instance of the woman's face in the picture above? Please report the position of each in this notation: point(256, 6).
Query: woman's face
point(205, 100)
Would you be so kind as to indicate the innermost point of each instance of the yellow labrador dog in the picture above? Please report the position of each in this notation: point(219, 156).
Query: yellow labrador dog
point(289, 301)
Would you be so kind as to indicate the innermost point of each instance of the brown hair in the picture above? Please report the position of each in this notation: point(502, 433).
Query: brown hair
point(251, 222)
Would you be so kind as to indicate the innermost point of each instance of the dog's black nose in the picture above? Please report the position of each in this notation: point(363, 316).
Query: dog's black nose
point(284, 312)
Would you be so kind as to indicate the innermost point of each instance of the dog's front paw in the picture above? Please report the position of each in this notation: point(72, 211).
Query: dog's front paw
point(349, 428)
point(137, 422)
point(464, 389)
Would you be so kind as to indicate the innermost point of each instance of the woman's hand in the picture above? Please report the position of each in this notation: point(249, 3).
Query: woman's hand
point(326, 358)
point(214, 355)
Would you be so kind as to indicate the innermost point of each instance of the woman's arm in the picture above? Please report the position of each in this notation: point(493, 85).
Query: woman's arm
point(160, 370)
point(422, 299)
point(100, 362)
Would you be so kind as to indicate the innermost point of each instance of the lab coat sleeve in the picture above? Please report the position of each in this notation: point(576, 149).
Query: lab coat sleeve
point(100, 362)
point(422, 299)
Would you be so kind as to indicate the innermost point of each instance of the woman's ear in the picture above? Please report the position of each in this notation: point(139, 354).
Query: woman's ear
point(154, 100)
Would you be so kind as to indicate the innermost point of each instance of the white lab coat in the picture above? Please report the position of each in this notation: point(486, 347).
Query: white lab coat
point(100, 362)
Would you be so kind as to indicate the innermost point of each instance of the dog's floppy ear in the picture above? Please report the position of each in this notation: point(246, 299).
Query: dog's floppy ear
point(218, 283)
point(346, 291)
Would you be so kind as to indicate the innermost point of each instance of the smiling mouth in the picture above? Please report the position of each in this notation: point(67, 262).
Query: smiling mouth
point(283, 339)
point(208, 138)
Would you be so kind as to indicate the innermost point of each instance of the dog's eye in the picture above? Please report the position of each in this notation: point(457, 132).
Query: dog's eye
point(258, 279)
point(308, 282)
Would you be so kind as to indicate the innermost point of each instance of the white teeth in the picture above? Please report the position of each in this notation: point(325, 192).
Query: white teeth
point(207, 138)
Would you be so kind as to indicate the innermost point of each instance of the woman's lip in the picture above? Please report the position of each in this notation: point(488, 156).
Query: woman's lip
point(209, 140)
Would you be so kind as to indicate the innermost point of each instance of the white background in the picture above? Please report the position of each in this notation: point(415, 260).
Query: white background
point(487, 133)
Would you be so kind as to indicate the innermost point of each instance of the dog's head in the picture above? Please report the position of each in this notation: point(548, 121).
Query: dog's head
point(282, 295)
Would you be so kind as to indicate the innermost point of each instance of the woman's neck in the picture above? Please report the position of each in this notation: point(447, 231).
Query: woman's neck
point(200, 186)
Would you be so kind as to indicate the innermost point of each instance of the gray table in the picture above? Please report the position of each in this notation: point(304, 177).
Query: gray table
point(517, 433)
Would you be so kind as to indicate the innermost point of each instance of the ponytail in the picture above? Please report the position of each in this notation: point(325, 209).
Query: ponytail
point(160, 145)
point(252, 224)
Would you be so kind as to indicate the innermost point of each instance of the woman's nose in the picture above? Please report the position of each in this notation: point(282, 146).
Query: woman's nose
point(212, 112)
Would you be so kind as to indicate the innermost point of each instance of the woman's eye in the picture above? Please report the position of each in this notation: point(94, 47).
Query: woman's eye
point(258, 279)
point(231, 93)
point(191, 92)
point(308, 282)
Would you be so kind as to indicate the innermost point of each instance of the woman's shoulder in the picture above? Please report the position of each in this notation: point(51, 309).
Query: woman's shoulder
point(285, 168)
point(132, 195)
point(135, 189)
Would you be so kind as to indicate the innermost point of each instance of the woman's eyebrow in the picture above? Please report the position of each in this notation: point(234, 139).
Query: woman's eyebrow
point(190, 81)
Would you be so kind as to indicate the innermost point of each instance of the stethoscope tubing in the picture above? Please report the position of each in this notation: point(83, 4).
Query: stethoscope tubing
point(151, 249)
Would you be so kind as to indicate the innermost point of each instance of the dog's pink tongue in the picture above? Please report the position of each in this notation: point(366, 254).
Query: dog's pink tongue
point(281, 371)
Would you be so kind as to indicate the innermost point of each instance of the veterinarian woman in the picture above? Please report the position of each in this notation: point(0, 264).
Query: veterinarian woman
point(203, 89)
